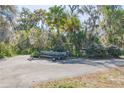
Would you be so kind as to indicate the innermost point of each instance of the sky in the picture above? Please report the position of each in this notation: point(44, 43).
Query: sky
point(34, 7)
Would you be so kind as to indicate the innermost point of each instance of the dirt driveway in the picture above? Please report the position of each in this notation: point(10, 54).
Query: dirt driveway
point(20, 72)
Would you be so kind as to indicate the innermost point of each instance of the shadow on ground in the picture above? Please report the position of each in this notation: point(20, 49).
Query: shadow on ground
point(2, 59)
point(93, 62)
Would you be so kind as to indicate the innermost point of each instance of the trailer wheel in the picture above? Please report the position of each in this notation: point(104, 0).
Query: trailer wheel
point(53, 59)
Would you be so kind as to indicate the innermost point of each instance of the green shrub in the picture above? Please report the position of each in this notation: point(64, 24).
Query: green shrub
point(114, 51)
point(1, 55)
point(96, 51)
point(26, 51)
point(6, 50)
point(122, 51)
point(35, 54)
point(59, 48)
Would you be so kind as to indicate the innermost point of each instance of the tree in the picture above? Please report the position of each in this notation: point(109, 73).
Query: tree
point(73, 32)
point(7, 20)
point(90, 24)
point(112, 24)
point(55, 18)
point(38, 39)
point(39, 18)
point(25, 21)
point(73, 8)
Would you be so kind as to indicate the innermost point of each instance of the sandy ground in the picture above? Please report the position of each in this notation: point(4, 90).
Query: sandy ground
point(19, 72)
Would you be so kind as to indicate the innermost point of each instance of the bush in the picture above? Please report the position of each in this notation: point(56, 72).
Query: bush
point(1, 55)
point(122, 52)
point(59, 48)
point(96, 51)
point(24, 51)
point(6, 50)
point(114, 51)
point(35, 54)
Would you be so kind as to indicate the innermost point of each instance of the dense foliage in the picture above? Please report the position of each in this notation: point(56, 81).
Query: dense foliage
point(96, 51)
point(114, 51)
point(62, 28)
point(99, 51)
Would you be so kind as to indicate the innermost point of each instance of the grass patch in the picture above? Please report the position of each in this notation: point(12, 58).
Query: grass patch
point(108, 78)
